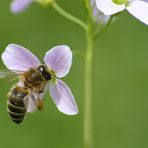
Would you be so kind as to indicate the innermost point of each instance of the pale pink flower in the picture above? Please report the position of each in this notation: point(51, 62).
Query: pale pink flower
point(58, 60)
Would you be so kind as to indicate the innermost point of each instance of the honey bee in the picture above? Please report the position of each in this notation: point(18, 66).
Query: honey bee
point(34, 78)
point(31, 87)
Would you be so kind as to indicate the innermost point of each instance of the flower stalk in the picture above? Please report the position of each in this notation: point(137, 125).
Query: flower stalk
point(68, 16)
point(88, 88)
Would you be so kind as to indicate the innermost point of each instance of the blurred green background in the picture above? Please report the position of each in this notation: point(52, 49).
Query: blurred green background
point(120, 103)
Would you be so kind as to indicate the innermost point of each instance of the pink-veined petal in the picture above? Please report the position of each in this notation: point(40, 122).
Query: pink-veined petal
point(108, 7)
point(19, 5)
point(63, 97)
point(139, 9)
point(59, 59)
point(17, 58)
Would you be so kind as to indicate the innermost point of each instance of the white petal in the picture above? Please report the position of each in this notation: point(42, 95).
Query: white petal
point(63, 98)
point(59, 59)
point(108, 7)
point(139, 9)
point(19, 5)
point(17, 58)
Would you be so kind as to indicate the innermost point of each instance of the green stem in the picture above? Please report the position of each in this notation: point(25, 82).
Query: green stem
point(88, 89)
point(88, 8)
point(88, 78)
point(68, 16)
point(105, 28)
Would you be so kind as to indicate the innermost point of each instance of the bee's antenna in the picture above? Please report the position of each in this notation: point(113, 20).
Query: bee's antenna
point(41, 59)
point(53, 74)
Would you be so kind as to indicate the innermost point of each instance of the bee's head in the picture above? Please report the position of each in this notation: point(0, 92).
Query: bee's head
point(44, 72)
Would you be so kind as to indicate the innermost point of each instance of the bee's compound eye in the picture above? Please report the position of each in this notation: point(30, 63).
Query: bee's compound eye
point(41, 68)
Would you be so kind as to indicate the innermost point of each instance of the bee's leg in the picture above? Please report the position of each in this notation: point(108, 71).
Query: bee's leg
point(40, 104)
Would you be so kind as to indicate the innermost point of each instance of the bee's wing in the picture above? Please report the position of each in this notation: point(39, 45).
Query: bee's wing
point(8, 75)
point(4, 73)
point(31, 102)
point(36, 95)
point(18, 59)
point(42, 90)
point(63, 97)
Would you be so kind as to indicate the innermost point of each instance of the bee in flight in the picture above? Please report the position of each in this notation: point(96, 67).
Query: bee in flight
point(35, 78)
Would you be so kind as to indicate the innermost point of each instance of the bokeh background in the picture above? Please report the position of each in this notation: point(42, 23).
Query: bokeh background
point(120, 102)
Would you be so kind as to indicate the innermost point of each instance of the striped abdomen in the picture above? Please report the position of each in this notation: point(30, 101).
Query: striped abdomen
point(15, 104)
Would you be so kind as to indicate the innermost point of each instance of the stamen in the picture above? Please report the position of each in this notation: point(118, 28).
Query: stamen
point(120, 2)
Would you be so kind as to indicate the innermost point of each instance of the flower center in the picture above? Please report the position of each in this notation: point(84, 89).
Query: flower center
point(120, 2)
point(45, 2)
